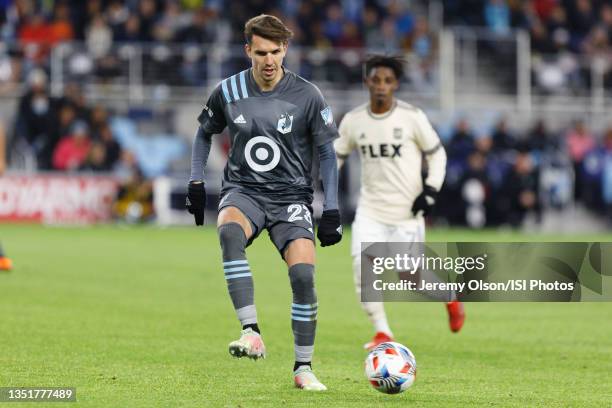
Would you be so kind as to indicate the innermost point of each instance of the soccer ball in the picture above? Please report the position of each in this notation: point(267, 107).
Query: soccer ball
point(391, 368)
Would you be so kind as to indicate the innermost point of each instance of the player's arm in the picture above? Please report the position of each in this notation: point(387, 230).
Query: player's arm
point(329, 176)
point(344, 145)
point(211, 121)
point(435, 156)
point(323, 131)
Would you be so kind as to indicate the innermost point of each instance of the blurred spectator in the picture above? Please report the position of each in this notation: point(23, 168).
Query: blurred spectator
point(390, 42)
point(99, 37)
point(583, 18)
point(35, 36)
point(35, 118)
point(116, 15)
point(62, 126)
point(73, 149)
point(98, 119)
point(130, 31)
point(96, 159)
point(73, 93)
point(461, 142)
point(171, 21)
point(475, 190)
point(370, 28)
point(503, 140)
point(520, 191)
point(61, 26)
point(606, 181)
point(111, 147)
point(134, 202)
point(497, 16)
point(197, 31)
point(539, 139)
point(350, 37)
point(579, 142)
point(332, 26)
point(147, 11)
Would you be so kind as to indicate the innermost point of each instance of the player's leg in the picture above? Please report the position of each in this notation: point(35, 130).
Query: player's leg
point(367, 230)
point(300, 258)
point(5, 263)
point(235, 231)
point(416, 234)
point(291, 231)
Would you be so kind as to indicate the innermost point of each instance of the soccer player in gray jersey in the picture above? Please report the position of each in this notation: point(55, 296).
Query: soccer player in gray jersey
point(275, 119)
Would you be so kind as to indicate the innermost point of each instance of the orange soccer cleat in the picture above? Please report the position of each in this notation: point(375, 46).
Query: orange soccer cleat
point(456, 315)
point(379, 337)
point(5, 264)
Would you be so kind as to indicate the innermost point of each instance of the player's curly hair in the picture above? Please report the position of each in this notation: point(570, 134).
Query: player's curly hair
point(393, 62)
point(268, 27)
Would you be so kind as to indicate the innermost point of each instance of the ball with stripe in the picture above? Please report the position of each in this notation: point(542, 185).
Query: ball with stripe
point(391, 368)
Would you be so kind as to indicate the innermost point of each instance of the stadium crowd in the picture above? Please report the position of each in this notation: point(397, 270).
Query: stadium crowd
point(564, 47)
point(30, 29)
point(501, 177)
point(68, 134)
point(569, 38)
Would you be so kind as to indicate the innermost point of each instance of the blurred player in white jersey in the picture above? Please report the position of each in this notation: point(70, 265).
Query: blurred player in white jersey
point(392, 137)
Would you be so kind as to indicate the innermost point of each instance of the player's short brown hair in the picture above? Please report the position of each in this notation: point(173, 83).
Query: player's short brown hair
point(268, 27)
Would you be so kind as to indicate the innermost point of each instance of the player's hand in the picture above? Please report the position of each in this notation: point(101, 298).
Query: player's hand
point(330, 228)
point(425, 202)
point(196, 200)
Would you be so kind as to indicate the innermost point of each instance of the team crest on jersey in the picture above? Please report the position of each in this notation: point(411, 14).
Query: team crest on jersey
point(397, 133)
point(284, 123)
point(327, 116)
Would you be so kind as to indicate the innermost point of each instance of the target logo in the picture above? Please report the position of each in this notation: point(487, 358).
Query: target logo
point(262, 154)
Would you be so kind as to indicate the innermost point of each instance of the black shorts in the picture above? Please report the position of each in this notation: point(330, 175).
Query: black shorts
point(285, 220)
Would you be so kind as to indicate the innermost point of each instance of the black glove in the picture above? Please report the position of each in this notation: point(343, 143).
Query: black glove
point(425, 201)
point(330, 229)
point(196, 200)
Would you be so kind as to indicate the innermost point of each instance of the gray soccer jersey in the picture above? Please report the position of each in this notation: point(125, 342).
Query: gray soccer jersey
point(273, 133)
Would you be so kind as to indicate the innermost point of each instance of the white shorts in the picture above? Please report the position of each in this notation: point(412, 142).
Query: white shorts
point(365, 229)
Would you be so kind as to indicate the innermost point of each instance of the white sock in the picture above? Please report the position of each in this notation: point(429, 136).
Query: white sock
point(378, 317)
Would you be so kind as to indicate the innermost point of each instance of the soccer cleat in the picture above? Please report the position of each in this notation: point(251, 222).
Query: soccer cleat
point(5, 264)
point(249, 345)
point(305, 379)
point(379, 337)
point(456, 315)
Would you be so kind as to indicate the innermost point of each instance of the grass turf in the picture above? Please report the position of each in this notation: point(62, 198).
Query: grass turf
point(140, 317)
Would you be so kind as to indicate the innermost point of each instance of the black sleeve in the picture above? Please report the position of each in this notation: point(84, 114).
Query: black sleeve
point(320, 119)
point(212, 118)
point(329, 175)
point(199, 155)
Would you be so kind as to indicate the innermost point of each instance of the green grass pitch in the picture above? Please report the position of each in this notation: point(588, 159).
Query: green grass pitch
point(140, 317)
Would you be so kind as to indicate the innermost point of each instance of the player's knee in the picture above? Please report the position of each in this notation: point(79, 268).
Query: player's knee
point(232, 239)
point(302, 282)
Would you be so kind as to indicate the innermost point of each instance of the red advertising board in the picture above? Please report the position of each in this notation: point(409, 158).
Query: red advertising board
point(53, 199)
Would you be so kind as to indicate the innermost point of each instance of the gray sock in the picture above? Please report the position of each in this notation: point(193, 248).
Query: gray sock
point(237, 272)
point(303, 310)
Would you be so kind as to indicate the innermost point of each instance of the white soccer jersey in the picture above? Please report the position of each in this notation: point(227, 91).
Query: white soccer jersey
point(391, 146)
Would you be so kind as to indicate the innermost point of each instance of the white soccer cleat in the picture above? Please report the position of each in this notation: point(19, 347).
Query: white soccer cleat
point(305, 379)
point(249, 345)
